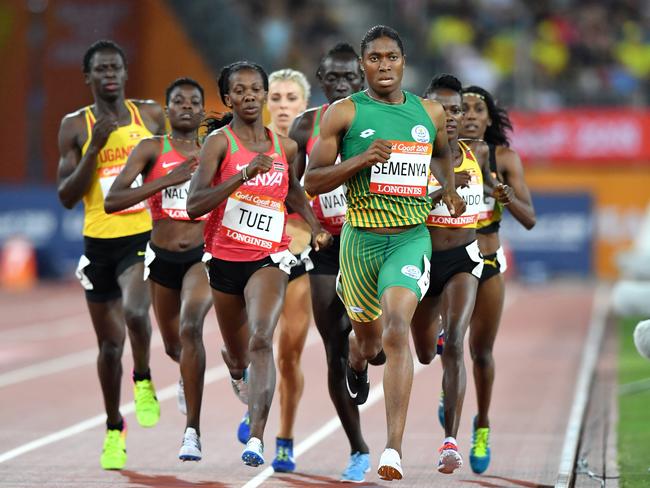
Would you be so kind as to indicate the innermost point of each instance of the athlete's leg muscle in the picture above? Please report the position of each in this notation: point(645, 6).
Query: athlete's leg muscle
point(108, 322)
point(457, 305)
point(482, 334)
point(196, 300)
point(264, 294)
point(135, 302)
point(166, 307)
point(293, 328)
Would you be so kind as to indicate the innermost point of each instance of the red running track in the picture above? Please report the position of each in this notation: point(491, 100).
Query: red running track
point(52, 421)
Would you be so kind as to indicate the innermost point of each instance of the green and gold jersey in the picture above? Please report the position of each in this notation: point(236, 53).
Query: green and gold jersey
point(394, 193)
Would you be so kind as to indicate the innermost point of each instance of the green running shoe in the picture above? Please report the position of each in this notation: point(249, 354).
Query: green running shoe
point(147, 408)
point(479, 453)
point(114, 453)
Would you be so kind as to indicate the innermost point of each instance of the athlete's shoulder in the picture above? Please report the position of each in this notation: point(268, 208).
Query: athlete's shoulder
point(479, 147)
point(73, 126)
point(74, 117)
point(506, 155)
point(150, 107)
point(289, 145)
point(305, 120)
point(215, 136)
point(146, 104)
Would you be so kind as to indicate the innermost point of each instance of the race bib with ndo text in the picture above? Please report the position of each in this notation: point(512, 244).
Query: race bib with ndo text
point(255, 220)
point(107, 176)
point(406, 173)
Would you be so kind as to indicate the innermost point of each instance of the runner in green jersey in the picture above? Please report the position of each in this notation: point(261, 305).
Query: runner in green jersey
point(388, 139)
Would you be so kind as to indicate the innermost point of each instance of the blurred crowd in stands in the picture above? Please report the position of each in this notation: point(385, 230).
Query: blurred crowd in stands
point(533, 54)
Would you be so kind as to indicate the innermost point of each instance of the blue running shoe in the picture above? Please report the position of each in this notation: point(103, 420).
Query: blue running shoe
point(284, 461)
point(479, 453)
point(441, 409)
point(358, 466)
point(253, 454)
point(244, 429)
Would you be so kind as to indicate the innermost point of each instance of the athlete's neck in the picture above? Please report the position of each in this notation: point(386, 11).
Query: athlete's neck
point(115, 107)
point(396, 97)
point(180, 136)
point(253, 132)
point(277, 130)
point(456, 152)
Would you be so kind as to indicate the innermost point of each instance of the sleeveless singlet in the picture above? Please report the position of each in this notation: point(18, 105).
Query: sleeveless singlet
point(170, 202)
point(489, 219)
point(110, 161)
point(329, 208)
point(395, 193)
point(250, 224)
point(473, 195)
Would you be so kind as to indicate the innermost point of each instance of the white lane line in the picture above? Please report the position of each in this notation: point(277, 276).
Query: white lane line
point(60, 364)
point(70, 361)
point(590, 353)
point(47, 328)
point(328, 428)
point(211, 375)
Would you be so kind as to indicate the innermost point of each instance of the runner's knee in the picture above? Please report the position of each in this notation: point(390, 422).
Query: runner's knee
point(111, 350)
point(261, 340)
point(482, 357)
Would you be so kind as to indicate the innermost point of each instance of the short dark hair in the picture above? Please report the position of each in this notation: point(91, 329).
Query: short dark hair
point(497, 132)
point(446, 81)
point(224, 76)
point(342, 49)
point(181, 82)
point(101, 45)
point(381, 31)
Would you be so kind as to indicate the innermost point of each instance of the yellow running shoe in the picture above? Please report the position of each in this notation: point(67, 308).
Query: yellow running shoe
point(114, 453)
point(147, 408)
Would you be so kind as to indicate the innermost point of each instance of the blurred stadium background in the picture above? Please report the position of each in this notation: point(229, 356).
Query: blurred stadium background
point(575, 75)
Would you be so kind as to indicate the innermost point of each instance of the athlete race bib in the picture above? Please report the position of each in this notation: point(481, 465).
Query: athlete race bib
point(174, 202)
point(487, 208)
point(255, 220)
point(406, 172)
point(473, 198)
point(334, 205)
point(107, 176)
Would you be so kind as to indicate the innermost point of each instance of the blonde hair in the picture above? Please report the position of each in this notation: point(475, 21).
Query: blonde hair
point(296, 76)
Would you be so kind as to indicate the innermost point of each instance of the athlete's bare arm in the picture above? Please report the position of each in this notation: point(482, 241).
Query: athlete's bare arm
point(323, 174)
point(140, 161)
point(75, 173)
point(512, 172)
point(300, 132)
point(297, 200)
point(441, 164)
point(153, 116)
point(482, 153)
point(203, 197)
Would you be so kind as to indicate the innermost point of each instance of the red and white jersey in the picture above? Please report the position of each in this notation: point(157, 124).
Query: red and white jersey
point(329, 207)
point(250, 224)
point(171, 202)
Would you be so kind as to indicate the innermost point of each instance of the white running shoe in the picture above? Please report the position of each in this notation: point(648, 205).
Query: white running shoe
point(450, 460)
point(390, 465)
point(240, 387)
point(191, 446)
point(180, 397)
point(253, 454)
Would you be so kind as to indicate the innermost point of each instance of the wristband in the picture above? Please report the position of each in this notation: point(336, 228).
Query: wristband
point(244, 174)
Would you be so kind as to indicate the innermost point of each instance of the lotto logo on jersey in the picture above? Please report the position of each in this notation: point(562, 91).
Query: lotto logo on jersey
point(366, 133)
